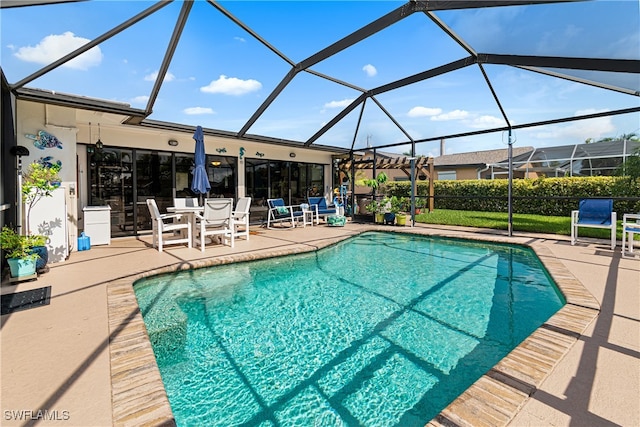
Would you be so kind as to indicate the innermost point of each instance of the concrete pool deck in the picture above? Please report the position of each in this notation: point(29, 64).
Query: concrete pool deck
point(84, 358)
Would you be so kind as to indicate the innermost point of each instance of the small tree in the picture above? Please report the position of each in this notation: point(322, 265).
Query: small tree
point(38, 182)
point(631, 166)
point(373, 183)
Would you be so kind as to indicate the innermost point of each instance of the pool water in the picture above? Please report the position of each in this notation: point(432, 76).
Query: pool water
point(382, 329)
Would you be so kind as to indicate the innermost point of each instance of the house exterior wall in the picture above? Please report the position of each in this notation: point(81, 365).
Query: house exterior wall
point(60, 122)
point(461, 172)
point(71, 127)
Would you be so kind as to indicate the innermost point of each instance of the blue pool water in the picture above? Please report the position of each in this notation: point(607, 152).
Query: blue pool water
point(379, 330)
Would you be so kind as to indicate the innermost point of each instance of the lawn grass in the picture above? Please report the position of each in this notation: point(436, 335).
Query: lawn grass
point(521, 222)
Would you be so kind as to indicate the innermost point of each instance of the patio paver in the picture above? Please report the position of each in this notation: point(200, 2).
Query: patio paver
point(87, 352)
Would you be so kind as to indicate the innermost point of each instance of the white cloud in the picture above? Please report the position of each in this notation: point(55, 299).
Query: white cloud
point(139, 100)
point(451, 115)
point(483, 122)
point(338, 104)
point(169, 77)
point(370, 70)
point(580, 130)
point(193, 111)
point(424, 112)
point(240, 39)
point(232, 86)
point(53, 47)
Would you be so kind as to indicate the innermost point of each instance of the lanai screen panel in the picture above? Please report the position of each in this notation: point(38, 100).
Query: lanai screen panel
point(296, 70)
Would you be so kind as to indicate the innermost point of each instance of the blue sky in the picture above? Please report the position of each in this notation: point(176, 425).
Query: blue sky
point(220, 74)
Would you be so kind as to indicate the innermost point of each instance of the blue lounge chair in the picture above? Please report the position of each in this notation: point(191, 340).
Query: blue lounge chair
point(594, 213)
point(320, 208)
point(279, 212)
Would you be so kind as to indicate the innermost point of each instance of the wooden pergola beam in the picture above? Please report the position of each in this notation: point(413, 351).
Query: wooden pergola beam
point(422, 164)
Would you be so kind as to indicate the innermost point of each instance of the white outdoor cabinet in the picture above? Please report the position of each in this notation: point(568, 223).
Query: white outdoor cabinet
point(49, 218)
point(97, 224)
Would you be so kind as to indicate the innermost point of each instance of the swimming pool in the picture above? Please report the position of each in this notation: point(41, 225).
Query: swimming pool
point(378, 330)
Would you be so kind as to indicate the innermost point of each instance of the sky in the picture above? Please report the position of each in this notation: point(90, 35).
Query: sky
point(220, 74)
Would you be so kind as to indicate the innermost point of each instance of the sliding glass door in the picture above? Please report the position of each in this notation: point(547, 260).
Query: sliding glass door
point(273, 179)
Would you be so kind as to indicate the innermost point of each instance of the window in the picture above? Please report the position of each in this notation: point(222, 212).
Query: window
point(444, 175)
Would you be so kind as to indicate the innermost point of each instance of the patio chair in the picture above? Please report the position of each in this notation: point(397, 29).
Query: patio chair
point(630, 226)
point(594, 213)
point(241, 217)
point(321, 209)
point(216, 220)
point(183, 202)
point(281, 213)
point(164, 223)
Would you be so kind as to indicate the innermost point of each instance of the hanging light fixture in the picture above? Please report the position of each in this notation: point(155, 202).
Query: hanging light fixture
point(90, 147)
point(99, 143)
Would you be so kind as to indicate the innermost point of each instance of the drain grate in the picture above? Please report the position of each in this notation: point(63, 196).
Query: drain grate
point(25, 300)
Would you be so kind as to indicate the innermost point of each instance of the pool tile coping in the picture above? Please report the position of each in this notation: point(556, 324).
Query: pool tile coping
point(139, 397)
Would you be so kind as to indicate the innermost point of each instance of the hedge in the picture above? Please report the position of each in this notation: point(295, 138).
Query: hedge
point(543, 196)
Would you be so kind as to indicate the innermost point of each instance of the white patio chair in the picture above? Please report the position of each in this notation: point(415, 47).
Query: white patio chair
point(216, 220)
point(164, 223)
point(594, 213)
point(241, 217)
point(183, 202)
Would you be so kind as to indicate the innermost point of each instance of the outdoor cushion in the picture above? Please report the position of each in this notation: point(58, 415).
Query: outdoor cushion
point(595, 211)
point(321, 203)
point(282, 210)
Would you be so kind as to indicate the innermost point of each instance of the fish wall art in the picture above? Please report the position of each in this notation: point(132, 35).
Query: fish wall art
point(44, 140)
point(49, 162)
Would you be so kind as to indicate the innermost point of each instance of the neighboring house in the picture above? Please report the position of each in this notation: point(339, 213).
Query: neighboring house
point(590, 159)
point(473, 165)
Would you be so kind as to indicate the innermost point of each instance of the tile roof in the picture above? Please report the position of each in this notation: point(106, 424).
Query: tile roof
point(474, 158)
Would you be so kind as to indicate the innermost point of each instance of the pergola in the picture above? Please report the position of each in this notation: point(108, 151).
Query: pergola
point(411, 166)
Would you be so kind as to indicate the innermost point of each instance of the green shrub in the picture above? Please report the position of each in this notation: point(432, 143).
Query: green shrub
point(543, 196)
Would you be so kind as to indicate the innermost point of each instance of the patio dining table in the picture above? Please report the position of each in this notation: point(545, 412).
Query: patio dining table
point(190, 211)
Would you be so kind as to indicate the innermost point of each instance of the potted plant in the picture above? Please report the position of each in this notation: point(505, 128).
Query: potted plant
point(419, 205)
point(19, 251)
point(400, 205)
point(374, 207)
point(389, 210)
point(39, 181)
point(374, 183)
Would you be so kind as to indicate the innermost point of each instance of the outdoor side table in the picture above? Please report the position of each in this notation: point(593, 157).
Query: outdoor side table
point(307, 215)
point(630, 226)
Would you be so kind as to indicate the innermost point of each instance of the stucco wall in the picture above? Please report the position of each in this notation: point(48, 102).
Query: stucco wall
point(75, 128)
point(31, 118)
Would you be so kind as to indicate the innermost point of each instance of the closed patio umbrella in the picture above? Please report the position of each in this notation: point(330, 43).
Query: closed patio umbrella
point(200, 183)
